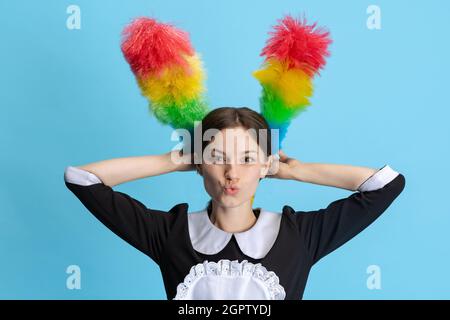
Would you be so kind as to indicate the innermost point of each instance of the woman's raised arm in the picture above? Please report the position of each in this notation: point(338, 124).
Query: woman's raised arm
point(119, 170)
point(144, 228)
point(334, 175)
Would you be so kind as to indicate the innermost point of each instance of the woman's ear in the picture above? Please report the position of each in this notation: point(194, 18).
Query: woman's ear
point(199, 169)
point(197, 166)
point(265, 168)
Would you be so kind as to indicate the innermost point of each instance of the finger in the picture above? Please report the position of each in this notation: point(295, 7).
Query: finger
point(274, 167)
point(283, 156)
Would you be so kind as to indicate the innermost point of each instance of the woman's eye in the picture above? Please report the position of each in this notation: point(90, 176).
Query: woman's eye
point(220, 159)
point(250, 159)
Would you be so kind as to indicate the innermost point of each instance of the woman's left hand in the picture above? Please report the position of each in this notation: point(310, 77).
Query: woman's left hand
point(283, 168)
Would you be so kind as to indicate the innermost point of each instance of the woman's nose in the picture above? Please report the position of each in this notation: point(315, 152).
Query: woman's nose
point(231, 171)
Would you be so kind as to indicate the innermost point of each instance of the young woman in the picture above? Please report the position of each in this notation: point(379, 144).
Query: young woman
point(229, 250)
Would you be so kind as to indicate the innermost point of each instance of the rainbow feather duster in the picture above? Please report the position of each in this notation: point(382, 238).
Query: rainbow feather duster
point(168, 71)
point(294, 53)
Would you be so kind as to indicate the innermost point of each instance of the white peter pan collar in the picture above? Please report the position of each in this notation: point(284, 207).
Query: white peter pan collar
point(256, 242)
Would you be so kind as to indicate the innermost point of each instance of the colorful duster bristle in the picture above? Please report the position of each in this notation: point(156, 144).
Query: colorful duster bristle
point(168, 71)
point(294, 53)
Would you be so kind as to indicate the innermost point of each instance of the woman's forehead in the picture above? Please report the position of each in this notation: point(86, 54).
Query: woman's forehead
point(234, 138)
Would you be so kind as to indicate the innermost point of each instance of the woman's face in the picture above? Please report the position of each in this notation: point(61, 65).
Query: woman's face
point(233, 163)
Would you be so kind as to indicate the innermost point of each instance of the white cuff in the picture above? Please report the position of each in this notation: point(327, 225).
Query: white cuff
point(379, 179)
point(79, 176)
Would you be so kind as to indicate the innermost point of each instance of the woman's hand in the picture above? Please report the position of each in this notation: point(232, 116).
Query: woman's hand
point(182, 162)
point(284, 167)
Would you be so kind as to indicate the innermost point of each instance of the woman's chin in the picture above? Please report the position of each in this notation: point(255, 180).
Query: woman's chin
point(230, 202)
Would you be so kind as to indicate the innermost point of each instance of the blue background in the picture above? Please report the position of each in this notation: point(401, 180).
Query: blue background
point(69, 98)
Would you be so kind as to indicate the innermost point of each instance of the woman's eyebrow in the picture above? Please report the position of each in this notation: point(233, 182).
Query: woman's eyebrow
point(244, 152)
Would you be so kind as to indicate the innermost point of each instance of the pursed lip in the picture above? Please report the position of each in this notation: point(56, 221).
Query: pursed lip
point(230, 190)
point(231, 187)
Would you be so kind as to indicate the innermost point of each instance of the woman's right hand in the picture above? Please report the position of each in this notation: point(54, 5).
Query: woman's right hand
point(182, 162)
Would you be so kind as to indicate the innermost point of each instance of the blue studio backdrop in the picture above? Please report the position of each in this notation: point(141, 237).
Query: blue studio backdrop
point(68, 97)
